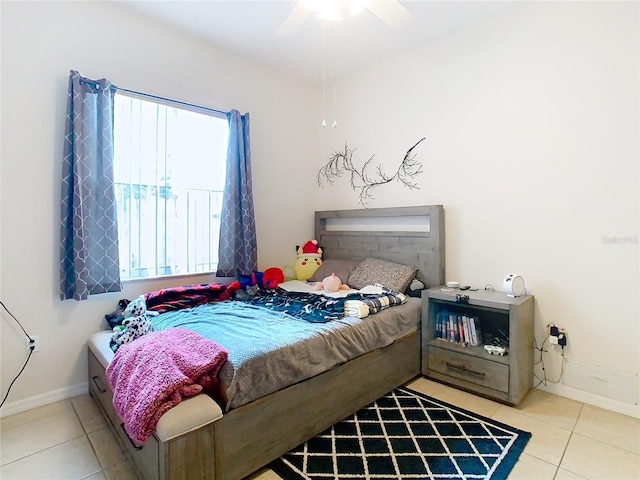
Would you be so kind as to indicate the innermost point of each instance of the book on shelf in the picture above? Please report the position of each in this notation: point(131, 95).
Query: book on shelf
point(445, 326)
point(461, 330)
point(458, 328)
point(467, 329)
point(476, 332)
point(442, 321)
point(455, 336)
point(472, 332)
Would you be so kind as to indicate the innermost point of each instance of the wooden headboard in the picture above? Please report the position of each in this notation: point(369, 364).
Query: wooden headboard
point(407, 235)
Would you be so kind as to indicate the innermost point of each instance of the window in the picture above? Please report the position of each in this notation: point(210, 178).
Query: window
point(169, 173)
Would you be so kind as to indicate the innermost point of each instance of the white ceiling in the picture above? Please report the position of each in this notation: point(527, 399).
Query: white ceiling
point(248, 28)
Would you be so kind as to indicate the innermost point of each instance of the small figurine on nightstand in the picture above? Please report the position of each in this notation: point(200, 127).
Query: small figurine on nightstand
point(495, 350)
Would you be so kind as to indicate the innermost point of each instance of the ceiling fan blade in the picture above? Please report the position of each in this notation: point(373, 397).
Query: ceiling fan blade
point(391, 12)
point(294, 21)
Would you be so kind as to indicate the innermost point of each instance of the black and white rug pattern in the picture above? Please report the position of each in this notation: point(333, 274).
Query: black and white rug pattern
point(407, 435)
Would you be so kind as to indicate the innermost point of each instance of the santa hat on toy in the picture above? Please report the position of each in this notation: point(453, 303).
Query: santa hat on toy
point(310, 249)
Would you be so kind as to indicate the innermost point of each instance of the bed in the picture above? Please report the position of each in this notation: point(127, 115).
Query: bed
point(200, 439)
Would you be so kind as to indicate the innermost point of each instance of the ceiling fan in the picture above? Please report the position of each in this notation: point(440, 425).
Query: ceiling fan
point(391, 12)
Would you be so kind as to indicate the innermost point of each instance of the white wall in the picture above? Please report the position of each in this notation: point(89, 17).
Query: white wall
point(531, 121)
point(41, 42)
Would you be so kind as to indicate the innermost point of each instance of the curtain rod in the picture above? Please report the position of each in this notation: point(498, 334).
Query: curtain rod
point(148, 95)
point(169, 99)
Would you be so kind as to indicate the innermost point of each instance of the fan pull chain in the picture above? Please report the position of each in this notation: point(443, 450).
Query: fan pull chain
point(335, 122)
point(324, 73)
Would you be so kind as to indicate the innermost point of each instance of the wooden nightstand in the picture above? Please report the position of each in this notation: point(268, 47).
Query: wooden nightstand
point(504, 378)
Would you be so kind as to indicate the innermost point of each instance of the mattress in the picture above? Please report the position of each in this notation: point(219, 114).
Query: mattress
point(269, 350)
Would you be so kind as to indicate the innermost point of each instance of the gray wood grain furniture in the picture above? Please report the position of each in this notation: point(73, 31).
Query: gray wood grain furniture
point(503, 378)
point(232, 445)
point(401, 241)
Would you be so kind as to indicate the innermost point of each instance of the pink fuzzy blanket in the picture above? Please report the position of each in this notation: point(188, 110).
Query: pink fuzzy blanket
point(155, 372)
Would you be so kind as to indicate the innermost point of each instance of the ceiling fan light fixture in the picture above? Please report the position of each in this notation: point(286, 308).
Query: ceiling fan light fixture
point(357, 6)
point(391, 12)
point(313, 5)
point(330, 11)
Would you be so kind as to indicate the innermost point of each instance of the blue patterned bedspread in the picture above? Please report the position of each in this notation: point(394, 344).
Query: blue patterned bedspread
point(318, 308)
point(270, 350)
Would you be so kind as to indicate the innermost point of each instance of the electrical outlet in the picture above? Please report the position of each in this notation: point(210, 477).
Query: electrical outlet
point(553, 334)
point(34, 343)
point(557, 336)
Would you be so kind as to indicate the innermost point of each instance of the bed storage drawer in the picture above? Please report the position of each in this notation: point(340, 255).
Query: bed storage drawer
point(470, 368)
point(146, 456)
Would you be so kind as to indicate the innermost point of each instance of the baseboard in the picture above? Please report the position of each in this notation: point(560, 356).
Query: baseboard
point(43, 399)
point(557, 389)
point(592, 399)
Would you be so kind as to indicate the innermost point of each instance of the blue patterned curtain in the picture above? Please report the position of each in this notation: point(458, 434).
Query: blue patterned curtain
point(89, 232)
point(238, 251)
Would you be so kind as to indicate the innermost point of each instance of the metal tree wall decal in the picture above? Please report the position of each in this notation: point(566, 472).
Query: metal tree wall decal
point(341, 162)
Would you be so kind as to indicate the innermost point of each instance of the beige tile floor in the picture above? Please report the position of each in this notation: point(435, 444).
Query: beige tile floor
point(69, 440)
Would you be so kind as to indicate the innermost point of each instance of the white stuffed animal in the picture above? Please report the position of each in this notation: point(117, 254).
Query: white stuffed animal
point(135, 323)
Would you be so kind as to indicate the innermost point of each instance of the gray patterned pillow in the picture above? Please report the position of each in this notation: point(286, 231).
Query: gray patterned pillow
point(394, 276)
point(342, 267)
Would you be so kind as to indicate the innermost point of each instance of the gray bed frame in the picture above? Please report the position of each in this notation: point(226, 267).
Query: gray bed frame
point(247, 438)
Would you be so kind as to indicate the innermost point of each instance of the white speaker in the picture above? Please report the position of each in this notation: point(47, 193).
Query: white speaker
point(514, 285)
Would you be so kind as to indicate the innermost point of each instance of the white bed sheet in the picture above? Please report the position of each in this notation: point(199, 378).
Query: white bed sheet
point(309, 287)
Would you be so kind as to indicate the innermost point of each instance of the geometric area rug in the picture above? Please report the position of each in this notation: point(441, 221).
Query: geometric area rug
point(407, 435)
